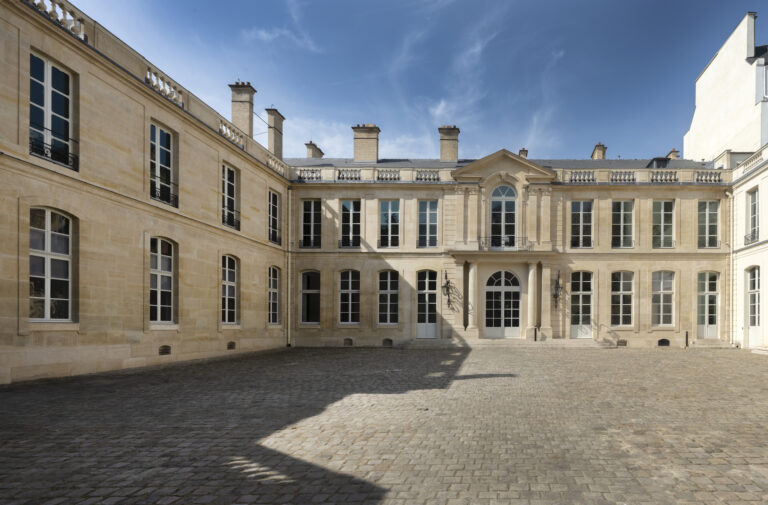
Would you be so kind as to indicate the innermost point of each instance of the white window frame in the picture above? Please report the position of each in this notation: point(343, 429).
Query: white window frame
point(273, 221)
point(306, 291)
point(389, 218)
point(579, 294)
point(155, 165)
point(753, 296)
point(623, 309)
point(273, 296)
point(349, 297)
point(157, 273)
point(709, 215)
point(663, 233)
point(582, 221)
point(229, 290)
point(229, 203)
point(662, 298)
point(506, 198)
point(753, 212)
point(311, 216)
point(350, 221)
point(428, 222)
point(48, 113)
point(389, 297)
point(48, 256)
point(705, 280)
point(426, 296)
point(626, 217)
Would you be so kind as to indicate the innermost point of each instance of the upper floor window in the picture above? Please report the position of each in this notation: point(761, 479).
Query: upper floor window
point(50, 112)
point(274, 295)
point(162, 275)
point(350, 223)
point(388, 289)
point(310, 297)
point(662, 297)
point(662, 234)
point(50, 266)
point(427, 223)
point(230, 216)
point(162, 181)
point(708, 212)
point(503, 217)
point(621, 298)
point(621, 225)
point(310, 223)
point(229, 290)
point(274, 217)
point(753, 217)
point(581, 224)
point(349, 297)
point(389, 218)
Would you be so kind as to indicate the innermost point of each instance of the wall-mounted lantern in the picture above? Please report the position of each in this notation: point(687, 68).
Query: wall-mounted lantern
point(557, 289)
point(447, 289)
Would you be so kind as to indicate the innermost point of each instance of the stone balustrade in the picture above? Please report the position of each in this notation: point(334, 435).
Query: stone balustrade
point(348, 174)
point(664, 176)
point(164, 85)
point(623, 176)
point(581, 177)
point(276, 164)
point(753, 161)
point(64, 14)
point(427, 175)
point(310, 174)
point(709, 177)
point(231, 133)
point(388, 174)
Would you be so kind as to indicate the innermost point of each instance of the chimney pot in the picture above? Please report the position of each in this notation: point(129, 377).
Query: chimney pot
point(673, 154)
point(523, 152)
point(598, 153)
point(366, 142)
point(275, 123)
point(449, 143)
point(242, 106)
point(313, 151)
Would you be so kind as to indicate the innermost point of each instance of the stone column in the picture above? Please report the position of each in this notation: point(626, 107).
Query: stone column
point(472, 298)
point(531, 218)
point(531, 328)
point(547, 279)
point(545, 216)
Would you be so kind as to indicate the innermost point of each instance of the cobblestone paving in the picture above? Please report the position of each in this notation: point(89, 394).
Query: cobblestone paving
point(387, 426)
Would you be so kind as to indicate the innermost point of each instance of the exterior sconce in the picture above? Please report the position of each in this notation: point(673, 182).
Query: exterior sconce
point(557, 289)
point(447, 289)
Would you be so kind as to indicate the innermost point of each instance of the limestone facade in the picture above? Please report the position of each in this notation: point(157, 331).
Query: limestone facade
point(140, 227)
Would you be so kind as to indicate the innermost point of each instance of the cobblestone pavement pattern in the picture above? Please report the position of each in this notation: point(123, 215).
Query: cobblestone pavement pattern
point(387, 426)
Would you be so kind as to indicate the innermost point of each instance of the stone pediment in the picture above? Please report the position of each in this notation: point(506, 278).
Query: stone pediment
point(505, 164)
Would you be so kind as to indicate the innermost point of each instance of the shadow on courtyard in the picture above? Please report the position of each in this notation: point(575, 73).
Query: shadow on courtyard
point(193, 430)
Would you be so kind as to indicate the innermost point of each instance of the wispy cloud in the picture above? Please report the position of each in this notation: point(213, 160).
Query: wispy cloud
point(540, 134)
point(333, 137)
point(296, 34)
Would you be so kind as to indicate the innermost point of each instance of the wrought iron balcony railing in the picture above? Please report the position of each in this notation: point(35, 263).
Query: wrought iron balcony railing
point(59, 152)
point(231, 218)
point(752, 237)
point(164, 190)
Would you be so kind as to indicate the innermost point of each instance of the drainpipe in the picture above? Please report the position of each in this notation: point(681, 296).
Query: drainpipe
point(289, 273)
point(732, 280)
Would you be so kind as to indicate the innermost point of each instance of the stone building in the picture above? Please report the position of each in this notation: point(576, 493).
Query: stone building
point(141, 227)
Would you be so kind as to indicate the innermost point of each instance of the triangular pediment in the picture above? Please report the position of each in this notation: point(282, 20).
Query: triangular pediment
point(504, 162)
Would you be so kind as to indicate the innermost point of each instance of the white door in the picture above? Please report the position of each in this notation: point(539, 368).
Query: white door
point(581, 305)
point(426, 284)
point(754, 338)
point(502, 306)
point(707, 305)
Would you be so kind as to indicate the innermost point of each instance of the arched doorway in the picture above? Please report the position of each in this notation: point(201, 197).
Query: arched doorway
point(502, 306)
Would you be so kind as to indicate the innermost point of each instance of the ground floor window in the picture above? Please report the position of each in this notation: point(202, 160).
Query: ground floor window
point(388, 292)
point(662, 298)
point(310, 297)
point(621, 298)
point(228, 290)
point(50, 266)
point(349, 297)
point(753, 296)
point(274, 295)
point(161, 280)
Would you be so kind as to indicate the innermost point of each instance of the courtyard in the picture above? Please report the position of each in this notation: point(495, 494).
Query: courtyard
point(497, 425)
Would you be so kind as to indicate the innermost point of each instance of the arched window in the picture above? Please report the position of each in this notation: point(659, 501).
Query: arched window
point(502, 305)
point(50, 266)
point(229, 290)
point(349, 297)
point(503, 217)
point(162, 274)
point(310, 297)
point(274, 295)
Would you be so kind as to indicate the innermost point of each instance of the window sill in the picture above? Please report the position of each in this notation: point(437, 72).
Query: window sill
point(347, 325)
point(231, 326)
point(309, 324)
point(163, 327)
point(53, 326)
point(623, 327)
point(274, 326)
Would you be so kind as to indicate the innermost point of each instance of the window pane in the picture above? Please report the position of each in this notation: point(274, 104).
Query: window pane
point(59, 309)
point(37, 240)
point(59, 80)
point(36, 67)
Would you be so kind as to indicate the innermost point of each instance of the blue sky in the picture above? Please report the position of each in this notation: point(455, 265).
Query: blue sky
point(554, 76)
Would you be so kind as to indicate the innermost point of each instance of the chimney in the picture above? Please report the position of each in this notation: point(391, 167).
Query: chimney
point(275, 122)
point(598, 153)
point(523, 153)
point(366, 138)
point(751, 34)
point(313, 151)
point(242, 106)
point(673, 154)
point(449, 143)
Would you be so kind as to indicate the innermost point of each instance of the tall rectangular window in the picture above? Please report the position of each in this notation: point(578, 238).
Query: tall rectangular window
point(162, 183)
point(310, 224)
point(389, 219)
point(229, 291)
point(662, 234)
point(708, 211)
point(753, 217)
point(621, 225)
point(350, 223)
point(274, 295)
point(50, 112)
point(427, 223)
point(230, 215)
point(662, 298)
point(388, 289)
point(581, 224)
point(310, 297)
point(50, 266)
point(349, 297)
point(753, 296)
point(274, 217)
point(621, 298)
point(161, 280)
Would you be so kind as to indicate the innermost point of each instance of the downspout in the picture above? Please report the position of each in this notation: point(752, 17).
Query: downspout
point(732, 312)
point(289, 274)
